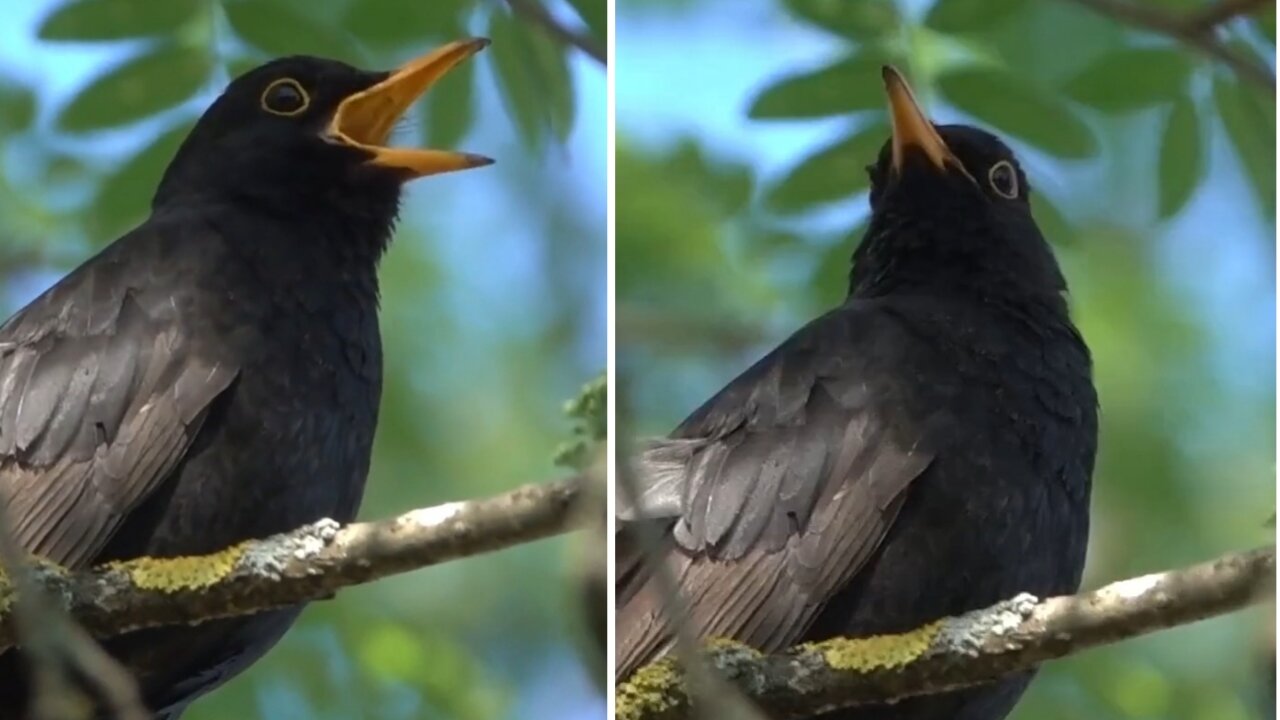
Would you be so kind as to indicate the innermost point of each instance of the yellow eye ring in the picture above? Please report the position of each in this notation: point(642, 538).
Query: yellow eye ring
point(285, 97)
point(1003, 179)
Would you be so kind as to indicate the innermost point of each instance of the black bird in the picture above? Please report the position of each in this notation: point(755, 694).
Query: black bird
point(214, 375)
point(924, 449)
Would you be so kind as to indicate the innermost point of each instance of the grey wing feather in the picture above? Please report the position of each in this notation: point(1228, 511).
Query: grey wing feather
point(776, 492)
point(101, 393)
point(659, 471)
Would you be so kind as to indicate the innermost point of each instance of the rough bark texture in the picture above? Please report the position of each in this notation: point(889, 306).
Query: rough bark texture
point(957, 652)
point(309, 563)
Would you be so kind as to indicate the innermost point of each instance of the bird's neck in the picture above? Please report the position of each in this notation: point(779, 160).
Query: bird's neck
point(348, 228)
point(313, 250)
point(984, 264)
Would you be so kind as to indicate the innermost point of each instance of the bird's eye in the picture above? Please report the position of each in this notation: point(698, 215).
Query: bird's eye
point(285, 97)
point(1003, 179)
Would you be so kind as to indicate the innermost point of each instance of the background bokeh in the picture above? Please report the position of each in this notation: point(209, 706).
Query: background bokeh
point(743, 134)
point(493, 315)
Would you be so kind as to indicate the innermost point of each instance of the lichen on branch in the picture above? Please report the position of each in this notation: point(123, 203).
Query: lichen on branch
point(309, 563)
point(956, 652)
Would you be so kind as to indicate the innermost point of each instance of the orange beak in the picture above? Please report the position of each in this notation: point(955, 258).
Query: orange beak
point(911, 129)
point(365, 119)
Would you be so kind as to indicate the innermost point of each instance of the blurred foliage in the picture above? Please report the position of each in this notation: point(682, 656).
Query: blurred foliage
point(589, 413)
point(489, 306)
point(963, 51)
point(179, 49)
point(1153, 175)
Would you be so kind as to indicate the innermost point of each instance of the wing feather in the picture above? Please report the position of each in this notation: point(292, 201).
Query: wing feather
point(101, 393)
point(787, 480)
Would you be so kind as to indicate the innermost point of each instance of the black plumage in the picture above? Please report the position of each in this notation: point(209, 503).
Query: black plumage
point(214, 375)
point(924, 449)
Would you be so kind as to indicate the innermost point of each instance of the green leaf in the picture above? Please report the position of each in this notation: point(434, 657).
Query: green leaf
point(124, 197)
point(1181, 157)
point(766, 243)
point(394, 23)
point(89, 20)
point(846, 86)
point(517, 96)
point(450, 109)
point(595, 13)
point(393, 651)
point(1014, 107)
point(533, 75)
point(141, 86)
point(669, 230)
point(589, 416)
point(970, 16)
point(1132, 79)
point(857, 20)
point(1250, 121)
point(276, 28)
point(241, 64)
point(63, 168)
point(1052, 223)
point(833, 173)
point(548, 63)
point(1266, 22)
point(17, 107)
point(727, 185)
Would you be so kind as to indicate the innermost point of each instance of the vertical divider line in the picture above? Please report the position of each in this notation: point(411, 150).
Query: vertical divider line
point(611, 441)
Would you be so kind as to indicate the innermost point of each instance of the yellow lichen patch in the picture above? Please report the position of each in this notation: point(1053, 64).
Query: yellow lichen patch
point(7, 593)
point(45, 573)
point(651, 690)
point(724, 645)
point(41, 566)
point(181, 573)
point(876, 652)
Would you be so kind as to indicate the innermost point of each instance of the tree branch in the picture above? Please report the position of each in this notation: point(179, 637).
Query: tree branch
point(716, 697)
point(1191, 32)
point(533, 12)
point(57, 649)
point(309, 563)
point(958, 652)
point(1208, 19)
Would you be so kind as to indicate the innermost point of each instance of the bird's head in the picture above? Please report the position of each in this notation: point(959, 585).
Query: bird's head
point(310, 132)
point(949, 209)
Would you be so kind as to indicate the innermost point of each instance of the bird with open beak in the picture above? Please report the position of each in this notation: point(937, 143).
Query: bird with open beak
point(215, 374)
point(923, 449)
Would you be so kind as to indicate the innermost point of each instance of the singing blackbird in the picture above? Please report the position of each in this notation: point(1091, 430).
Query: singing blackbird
point(923, 449)
point(214, 374)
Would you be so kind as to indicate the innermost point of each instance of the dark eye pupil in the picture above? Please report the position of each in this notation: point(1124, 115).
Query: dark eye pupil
point(1004, 178)
point(285, 98)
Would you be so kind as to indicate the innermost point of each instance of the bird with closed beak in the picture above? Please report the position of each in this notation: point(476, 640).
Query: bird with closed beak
point(923, 449)
point(214, 375)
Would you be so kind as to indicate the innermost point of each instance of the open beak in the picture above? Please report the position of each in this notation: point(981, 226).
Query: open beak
point(365, 119)
point(911, 129)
